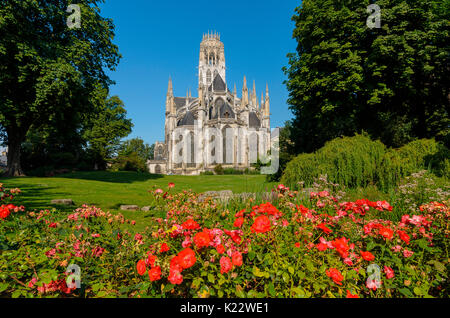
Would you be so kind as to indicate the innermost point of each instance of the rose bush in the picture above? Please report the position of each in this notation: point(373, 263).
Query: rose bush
point(293, 246)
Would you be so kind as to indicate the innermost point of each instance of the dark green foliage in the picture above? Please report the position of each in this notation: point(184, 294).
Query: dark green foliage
point(47, 70)
point(360, 162)
point(218, 169)
point(137, 145)
point(130, 162)
point(390, 82)
point(412, 157)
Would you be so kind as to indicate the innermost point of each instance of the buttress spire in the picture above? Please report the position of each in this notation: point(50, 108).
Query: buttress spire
point(170, 87)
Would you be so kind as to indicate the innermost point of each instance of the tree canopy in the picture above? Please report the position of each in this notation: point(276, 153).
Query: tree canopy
point(391, 82)
point(48, 70)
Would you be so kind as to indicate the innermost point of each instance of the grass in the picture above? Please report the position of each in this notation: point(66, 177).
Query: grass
point(109, 190)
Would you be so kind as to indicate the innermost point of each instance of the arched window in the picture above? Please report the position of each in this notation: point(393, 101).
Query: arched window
point(208, 77)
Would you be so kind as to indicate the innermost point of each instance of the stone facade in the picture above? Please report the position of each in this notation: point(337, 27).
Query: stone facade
point(241, 123)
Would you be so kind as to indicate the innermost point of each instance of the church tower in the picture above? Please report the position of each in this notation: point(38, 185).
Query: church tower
point(212, 59)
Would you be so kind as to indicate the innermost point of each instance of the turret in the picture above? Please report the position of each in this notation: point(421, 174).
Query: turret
point(244, 101)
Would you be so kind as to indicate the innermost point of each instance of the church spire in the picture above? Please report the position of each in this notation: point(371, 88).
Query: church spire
point(170, 88)
point(254, 99)
point(244, 101)
point(169, 99)
point(267, 102)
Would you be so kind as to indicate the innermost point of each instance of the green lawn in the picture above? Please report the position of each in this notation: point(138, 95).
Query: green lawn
point(109, 190)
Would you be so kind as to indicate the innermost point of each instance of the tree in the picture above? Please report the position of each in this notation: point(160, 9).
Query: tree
point(48, 70)
point(137, 145)
point(104, 131)
point(346, 78)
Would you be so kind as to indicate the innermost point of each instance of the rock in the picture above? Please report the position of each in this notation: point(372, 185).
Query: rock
point(129, 207)
point(63, 202)
point(145, 208)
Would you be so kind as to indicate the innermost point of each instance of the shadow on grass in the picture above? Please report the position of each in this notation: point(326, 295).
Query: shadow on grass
point(115, 177)
point(35, 197)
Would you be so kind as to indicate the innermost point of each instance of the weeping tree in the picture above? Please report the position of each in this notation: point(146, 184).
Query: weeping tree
point(50, 65)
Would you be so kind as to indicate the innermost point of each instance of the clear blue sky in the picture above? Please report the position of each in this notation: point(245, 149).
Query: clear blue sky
point(159, 39)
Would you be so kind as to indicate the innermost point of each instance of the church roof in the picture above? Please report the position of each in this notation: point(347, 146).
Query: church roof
point(187, 120)
point(253, 120)
point(226, 111)
point(181, 101)
point(218, 84)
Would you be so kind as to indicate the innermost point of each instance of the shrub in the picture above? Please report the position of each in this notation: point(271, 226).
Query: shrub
point(348, 161)
point(130, 162)
point(218, 169)
point(206, 173)
point(359, 162)
point(232, 171)
point(413, 157)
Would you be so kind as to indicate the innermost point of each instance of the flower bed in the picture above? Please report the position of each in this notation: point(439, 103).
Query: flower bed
point(291, 247)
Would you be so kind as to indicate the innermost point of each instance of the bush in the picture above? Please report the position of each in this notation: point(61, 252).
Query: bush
point(207, 173)
point(130, 162)
point(359, 162)
point(413, 157)
point(218, 169)
point(348, 161)
point(232, 171)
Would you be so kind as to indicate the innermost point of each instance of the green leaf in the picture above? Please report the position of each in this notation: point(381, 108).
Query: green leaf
point(168, 288)
point(291, 270)
point(406, 292)
point(211, 278)
point(418, 291)
point(271, 289)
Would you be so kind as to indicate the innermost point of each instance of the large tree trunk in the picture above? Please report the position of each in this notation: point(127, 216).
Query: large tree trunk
point(14, 168)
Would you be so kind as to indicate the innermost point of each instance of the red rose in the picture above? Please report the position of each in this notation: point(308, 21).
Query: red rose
point(220, 249)
point(155, 273)
point(335, 275)
point(367, 256)
point(141, 268)
point(175, 277)
point(175, 264)
point(240, 213)
point(201, 239)
point(225, 265)
point(190, 225)
point(322, 247)
point(341, 246)
point(151, 259)
point(389, 272)
point(403, 236)
point(236, 258)
point(238, 222)
point(261, 224)
point(324, 228)
point(164, 248)
point(186, 258)
point(386, 233)
point(350, 295)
